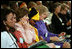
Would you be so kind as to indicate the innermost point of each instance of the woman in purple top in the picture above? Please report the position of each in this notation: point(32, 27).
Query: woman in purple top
point(40, 25)
point(42, 30)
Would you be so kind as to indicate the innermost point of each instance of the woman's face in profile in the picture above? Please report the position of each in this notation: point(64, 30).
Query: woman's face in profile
point(43, 16)
point(25, 19)
point(58, 9)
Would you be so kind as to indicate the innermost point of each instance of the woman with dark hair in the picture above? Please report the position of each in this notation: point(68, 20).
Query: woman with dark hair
point(24, 27)
point(56, 20)
point(8, 19)
point(65, 18)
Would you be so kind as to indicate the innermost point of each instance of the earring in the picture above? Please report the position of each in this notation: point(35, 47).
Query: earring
point(4, 23)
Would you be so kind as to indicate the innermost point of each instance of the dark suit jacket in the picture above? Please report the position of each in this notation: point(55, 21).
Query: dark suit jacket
point(57, 25)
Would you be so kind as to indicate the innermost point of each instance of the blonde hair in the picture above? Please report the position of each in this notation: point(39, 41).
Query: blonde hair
point(41, 9)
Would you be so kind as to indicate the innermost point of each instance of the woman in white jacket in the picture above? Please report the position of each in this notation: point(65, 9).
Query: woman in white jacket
point(7, 40)
point(7, 24)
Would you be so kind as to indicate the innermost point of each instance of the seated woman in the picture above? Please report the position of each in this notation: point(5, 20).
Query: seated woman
point(65, 18)
point(56, 20)
point(23, 25)
point(28, 32)
point(8, 19)
point(38, 23)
